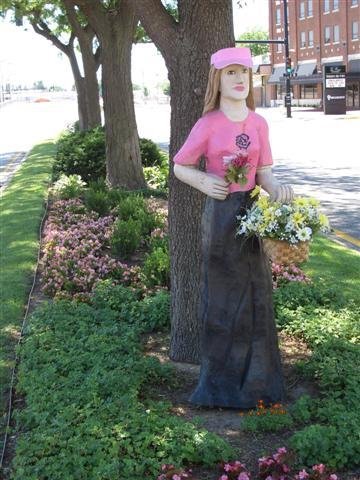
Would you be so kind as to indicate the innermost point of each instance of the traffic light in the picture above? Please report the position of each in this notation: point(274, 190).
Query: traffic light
point(288, 66)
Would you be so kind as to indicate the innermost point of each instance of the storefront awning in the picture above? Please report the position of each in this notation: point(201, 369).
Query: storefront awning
point(277, 74)
point(306, 69)
point(354, 66)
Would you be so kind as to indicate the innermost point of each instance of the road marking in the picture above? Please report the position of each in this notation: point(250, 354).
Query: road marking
point(347, 237)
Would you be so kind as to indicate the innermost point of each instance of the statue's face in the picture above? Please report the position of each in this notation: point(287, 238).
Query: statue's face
point(234, 82)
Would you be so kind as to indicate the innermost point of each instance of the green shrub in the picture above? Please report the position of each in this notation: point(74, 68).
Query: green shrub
point(135, 207)
point(303, 409)
point(156, 268)
point(97, 201)
point(267, 423)
point(126, 237)
point(157, 177)
point(81, 153)
point(131, 206)
point(153, 312)
point(150, 153)
point(68, 187)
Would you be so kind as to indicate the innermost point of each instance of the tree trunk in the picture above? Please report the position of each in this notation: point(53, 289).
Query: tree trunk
point(90, 85)
point(124, 167)
point(80, 91)
point(204, 27)
point(91, 89)
point(115, 30)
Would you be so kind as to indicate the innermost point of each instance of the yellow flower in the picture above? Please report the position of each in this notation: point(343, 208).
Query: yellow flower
point(263, 202)
point(297, 218)
point(256, 191)
point(324, 221)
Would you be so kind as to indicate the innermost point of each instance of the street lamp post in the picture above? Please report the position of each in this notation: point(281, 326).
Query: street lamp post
point(288, 69)
point(287, 64)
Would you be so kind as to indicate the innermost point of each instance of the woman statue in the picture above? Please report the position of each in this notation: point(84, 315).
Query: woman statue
point(240, 355)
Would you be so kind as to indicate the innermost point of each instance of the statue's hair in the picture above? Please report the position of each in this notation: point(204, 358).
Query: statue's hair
point(212, 95)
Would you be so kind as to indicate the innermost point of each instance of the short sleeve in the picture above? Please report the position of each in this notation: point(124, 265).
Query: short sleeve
point(195, 145)
point(265, 157)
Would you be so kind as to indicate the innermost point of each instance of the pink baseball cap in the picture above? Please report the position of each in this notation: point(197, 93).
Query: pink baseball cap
point(230, 56)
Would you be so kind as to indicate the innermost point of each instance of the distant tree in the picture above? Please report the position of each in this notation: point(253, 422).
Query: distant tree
point(256, 34)
point(39, 85)
point(61, 24)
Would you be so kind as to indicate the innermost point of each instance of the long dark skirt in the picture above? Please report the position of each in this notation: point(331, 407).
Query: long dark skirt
point(240, 355)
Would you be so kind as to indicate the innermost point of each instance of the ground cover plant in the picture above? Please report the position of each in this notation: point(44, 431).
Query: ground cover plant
point(88, 413)
point(21, 210)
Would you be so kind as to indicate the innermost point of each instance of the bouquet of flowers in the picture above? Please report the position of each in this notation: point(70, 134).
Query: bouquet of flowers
point(292, 223)
point(237, 167)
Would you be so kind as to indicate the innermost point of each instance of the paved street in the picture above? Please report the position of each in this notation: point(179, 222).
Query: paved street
point(22, 125)
point(319, 155)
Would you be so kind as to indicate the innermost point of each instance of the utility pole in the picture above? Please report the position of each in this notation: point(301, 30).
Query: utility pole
point(288, 68)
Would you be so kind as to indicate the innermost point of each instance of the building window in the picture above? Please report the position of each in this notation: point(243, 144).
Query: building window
point(336, 34)
point(311, 38)
point(302, 40)
point(326, 6)
point(355, 30)
point(310, 8)
point(278, 16)
point(302, 9)
point(336, 5)
point(327, 35)
point(279, 46)
point(354, 3)
point(308, 91)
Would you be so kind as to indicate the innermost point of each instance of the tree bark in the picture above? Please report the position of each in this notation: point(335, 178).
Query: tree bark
point(85, 36)
point(115, 28)
point(204, 26)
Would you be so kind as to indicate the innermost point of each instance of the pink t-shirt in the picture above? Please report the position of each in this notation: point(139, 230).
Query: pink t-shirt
point(216, 136)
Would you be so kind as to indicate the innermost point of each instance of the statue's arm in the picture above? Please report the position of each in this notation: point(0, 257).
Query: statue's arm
point(277, 191)
point(211, 185)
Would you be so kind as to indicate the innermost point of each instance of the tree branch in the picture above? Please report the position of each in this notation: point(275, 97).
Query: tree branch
point(158, 24)
point(41, 28)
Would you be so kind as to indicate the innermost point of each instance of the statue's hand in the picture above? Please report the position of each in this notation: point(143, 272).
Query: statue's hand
point(214, 186)
point(282, 194)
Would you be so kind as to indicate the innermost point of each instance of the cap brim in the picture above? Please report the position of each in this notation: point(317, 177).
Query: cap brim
point(225, 63)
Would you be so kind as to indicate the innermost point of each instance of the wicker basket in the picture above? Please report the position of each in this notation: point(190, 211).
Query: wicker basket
point(284, 253)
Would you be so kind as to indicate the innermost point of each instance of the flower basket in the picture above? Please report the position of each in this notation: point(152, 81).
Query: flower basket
point(285, 228)
point(285, 253)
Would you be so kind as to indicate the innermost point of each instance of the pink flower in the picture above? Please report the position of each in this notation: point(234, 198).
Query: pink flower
point(224, 477)
point(243, 476)
point(319, 468)
point(176, 477)
point(333, 477)
point(269, 478)
point(227, 467)
point(303, 475)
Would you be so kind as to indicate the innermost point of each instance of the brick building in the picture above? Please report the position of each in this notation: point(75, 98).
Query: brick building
point(321, 32)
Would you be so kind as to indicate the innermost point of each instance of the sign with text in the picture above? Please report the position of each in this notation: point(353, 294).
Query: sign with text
point(334, 89)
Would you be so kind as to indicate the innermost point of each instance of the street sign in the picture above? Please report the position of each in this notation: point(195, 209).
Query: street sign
point(334, 89)
point(287, 99)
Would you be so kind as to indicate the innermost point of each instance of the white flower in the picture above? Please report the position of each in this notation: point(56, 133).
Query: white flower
point(278, 213)
point(289, 226)
point(304, 234)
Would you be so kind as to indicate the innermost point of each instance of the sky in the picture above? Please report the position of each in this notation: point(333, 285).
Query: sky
point(26, 57)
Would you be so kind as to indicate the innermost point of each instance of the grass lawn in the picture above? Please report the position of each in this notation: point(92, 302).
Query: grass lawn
point(21, 210)
point(336, 264)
